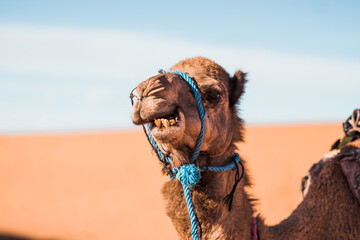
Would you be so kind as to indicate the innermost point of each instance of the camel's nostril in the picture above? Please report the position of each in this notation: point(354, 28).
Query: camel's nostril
point(133, 95)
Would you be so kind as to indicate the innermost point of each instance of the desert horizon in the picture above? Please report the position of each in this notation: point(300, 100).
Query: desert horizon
point(106, 185)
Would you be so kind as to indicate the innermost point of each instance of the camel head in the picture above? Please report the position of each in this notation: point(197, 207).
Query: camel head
point(167, 103)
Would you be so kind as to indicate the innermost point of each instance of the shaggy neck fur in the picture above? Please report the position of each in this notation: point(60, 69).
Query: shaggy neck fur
point(217, 222)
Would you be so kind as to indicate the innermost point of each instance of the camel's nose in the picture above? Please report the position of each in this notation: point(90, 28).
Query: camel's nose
point(136, 99)
point(147, 89)
point(133, 96)
point(148, 98)
point(150, 87)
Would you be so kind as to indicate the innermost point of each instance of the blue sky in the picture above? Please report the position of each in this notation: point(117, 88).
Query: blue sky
point(70, 65)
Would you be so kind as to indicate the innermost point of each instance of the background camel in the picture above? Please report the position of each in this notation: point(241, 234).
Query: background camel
point(161, 99)
point(329, 209)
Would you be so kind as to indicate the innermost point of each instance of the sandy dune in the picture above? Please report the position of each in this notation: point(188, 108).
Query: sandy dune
point(106, 186)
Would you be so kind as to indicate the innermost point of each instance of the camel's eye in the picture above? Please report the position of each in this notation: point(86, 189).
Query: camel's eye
point(213, 96)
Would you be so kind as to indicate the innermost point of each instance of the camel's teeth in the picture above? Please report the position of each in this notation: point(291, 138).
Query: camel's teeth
point(164, 148)
point(172, 122)
point(157, 123)
point(165, 122)
point(176, 119)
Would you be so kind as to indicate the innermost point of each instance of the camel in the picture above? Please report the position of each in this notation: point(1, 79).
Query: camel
point(166, 102)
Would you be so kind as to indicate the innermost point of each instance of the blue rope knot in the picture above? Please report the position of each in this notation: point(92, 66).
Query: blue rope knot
point(189, 175)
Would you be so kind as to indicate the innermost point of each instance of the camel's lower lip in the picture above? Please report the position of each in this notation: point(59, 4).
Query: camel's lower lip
point(164, 130)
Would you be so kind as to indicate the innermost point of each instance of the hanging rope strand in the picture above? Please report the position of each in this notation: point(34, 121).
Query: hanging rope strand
point(189, 176)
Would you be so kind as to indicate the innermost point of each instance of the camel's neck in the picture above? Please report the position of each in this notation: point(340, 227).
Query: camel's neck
point(217, 222)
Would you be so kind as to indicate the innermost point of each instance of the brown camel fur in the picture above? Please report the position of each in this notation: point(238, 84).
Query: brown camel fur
point(167, 103)
point(329, 210)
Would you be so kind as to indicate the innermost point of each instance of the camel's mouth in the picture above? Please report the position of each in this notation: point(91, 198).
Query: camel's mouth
point(168, 127)
point(167, 121)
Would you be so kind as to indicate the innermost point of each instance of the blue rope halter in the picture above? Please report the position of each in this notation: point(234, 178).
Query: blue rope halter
point(189, 174)
point(202, 119)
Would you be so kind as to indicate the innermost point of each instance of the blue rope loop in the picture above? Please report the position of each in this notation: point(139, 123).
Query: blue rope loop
point(231, 166)
point(202, 113)
point(190, 174)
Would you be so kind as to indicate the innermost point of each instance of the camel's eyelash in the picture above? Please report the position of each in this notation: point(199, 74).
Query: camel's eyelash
point(213, 96)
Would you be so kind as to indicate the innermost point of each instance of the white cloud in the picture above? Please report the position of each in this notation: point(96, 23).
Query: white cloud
point(67, 78)
point(120, 55)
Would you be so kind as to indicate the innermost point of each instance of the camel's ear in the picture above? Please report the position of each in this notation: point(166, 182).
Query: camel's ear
point(237, 84)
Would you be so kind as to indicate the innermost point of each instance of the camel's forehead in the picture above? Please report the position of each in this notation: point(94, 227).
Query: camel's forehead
point(205, 80)
point(202, 70)
point(167, 80)
point(161, 79)
point(200, 64)
point(201, 78)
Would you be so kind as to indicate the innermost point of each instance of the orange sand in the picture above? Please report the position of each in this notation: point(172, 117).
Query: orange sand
point(106, 186)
